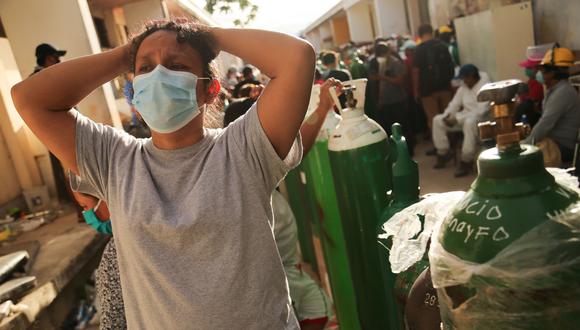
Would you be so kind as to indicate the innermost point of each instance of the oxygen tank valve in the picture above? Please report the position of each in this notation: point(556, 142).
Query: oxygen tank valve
point(506, 133)
point(348, 91)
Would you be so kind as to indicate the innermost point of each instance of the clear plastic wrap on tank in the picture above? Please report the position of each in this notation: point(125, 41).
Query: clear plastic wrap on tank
point(531, 284)
point(409, 236)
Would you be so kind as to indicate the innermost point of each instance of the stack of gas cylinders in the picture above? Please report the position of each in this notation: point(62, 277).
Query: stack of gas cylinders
point(506, 254)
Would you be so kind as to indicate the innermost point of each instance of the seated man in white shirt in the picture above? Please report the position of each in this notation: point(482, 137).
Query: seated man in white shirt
point(462, 114)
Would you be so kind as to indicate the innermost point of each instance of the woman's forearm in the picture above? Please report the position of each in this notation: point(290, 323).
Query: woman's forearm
point(271, 52)
point(310, 128)
point(62, 86)
point(289, 62)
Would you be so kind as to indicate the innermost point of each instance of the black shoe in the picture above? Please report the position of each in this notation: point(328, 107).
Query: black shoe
point(431, 152)
point(463, 169)
point(442, 160)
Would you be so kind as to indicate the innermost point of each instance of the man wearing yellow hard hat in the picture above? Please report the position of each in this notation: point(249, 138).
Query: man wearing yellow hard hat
point(560, 120)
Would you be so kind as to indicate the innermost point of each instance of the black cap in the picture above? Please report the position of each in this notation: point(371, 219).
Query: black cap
point(247, 70)
point(468, 70)
point(43, 50)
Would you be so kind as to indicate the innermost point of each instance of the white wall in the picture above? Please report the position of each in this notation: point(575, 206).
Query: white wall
point(68, 25)
point(359, 22)
point(20, 151)
point(314, 38)
point(137, 13)
point(482, 53)
point(557, 20)
point(325, 32)
point(391, 17)
point(496, 52)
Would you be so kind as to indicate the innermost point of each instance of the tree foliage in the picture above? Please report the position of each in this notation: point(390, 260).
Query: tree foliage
point(247, 9)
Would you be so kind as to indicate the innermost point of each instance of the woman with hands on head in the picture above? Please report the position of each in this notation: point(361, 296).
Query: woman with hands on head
point(191, 205)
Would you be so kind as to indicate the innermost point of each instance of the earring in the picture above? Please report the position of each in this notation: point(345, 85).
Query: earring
point(215, 87)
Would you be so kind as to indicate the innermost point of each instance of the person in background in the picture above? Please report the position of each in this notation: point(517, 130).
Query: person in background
point(46, 56)
point(231, 79)
point(389, 76)
point(530, 95)
point(462, 114)
point(249, 93)
point(433, 70)
point(107, 278)
point(330, 62)
point(418, 121)
point(560, 120)
point(309, 300)
point(446, 34)
point(137, 126)
point(356, 66)
point(318, 77)
point(248, 78)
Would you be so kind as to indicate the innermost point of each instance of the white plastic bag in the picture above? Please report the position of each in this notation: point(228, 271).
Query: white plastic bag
point(408, 236)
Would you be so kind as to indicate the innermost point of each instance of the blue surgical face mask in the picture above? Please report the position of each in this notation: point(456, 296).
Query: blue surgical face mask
point(166, 99)
point(540, 77)
point(103, 227)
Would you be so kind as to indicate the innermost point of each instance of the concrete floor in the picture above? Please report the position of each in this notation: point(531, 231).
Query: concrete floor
point(434, 181)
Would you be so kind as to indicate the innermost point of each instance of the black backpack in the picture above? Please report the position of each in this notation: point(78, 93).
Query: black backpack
point(440, 67)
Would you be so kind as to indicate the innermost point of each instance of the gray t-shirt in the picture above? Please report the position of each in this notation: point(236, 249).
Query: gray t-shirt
point(560, 118)
point(193, 226)
point(390, 93)
point(285, 230)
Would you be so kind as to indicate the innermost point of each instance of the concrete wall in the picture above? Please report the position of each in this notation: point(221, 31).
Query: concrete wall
point(20, 151)
point(441, 11)
point(360, 23)
point(340, 30)
point(482, 53)
point(114, 22)
point(391, 16)
point(67, 24)
point(140, 12)
point(326, 38)
point(10, 185)
point(496, 52)
point(557, 20)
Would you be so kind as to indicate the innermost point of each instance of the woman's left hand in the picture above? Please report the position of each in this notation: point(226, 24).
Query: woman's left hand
point(326, 102)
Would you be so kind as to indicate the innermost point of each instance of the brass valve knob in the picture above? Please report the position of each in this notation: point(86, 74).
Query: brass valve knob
point(502, 128)
point(486, 130)
point(524, 130)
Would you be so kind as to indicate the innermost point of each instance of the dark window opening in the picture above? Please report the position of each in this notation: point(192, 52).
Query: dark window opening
point(2, 31)
point(102, 32)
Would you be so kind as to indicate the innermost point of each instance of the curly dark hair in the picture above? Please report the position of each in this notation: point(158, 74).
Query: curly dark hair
point(194, 34)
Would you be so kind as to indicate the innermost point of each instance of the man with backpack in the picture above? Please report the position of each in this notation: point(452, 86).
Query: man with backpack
point(433, 70)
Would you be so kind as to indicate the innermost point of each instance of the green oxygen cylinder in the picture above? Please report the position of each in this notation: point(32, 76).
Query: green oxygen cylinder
point(500, 260)
point(359, 158)
point(405, 192)
point(330, 229)
point(304, 212)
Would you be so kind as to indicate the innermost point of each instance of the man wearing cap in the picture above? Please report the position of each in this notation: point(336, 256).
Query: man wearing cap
point(47, 55)
point(461, 115)
point(560, 120)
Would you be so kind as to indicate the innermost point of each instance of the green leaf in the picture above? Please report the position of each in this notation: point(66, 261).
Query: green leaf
point(247, 9)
